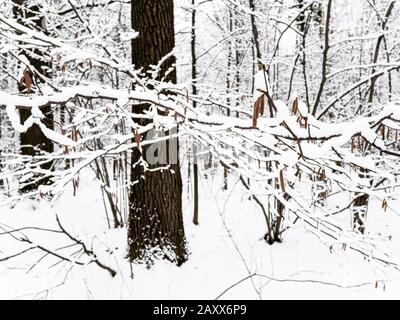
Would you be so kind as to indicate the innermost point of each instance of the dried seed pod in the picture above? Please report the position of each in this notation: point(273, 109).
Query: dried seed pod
point(137, 139)
point(27, 80)
point(295, 107)
point(259, 107)
point(282, 181)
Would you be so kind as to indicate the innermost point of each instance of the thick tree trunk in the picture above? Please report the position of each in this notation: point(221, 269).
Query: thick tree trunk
point(33, 141)
point(155, 214)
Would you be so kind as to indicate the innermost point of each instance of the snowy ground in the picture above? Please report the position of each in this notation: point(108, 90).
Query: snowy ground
point(225, 248)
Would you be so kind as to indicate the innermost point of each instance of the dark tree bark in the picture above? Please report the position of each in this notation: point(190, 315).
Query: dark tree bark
point(255, 33)
point(303, 25)
point(325, 53)
point(377, 49)
point(228, 85)
point(154, 20)
point(155, 214)
point(33, 141)
point(194, 91)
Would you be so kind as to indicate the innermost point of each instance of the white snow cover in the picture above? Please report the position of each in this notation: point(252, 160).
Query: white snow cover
point(294, 173)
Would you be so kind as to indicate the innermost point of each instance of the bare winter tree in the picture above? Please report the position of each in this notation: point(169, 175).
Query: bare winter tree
point(155, 218)
point(194, 91)
point(34, 72)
